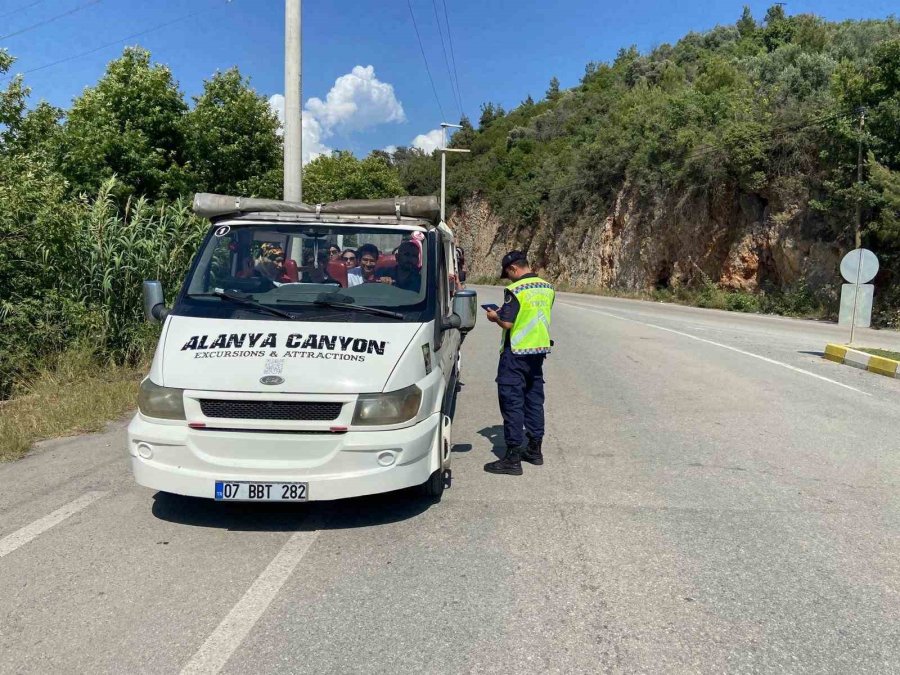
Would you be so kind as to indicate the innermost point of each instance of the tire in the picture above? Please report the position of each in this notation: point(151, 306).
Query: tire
point(433, 488)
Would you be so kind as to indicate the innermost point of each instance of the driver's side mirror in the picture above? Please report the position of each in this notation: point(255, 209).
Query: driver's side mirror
point(465, 304)
point(154, 302)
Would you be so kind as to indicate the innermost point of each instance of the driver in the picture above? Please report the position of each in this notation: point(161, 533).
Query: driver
point(319, 275)
point(270, 263)
point(406, 274)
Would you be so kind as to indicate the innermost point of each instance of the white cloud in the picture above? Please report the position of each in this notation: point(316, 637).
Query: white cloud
point(357, 101)
point(312, 131)
point(428, 142)
point(390, 149)
point(276, 103)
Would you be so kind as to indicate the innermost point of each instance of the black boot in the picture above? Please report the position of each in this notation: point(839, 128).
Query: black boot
point(532, 454)
point(510, 463)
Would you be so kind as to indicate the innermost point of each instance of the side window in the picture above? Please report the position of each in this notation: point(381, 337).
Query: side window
point(222, 264)
point(444, 281)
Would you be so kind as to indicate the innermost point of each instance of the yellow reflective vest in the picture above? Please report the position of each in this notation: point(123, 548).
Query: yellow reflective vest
point(530, 333)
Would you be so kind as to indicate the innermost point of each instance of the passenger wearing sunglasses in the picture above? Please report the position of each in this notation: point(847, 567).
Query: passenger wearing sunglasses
point(333, 252)
point(348, 257)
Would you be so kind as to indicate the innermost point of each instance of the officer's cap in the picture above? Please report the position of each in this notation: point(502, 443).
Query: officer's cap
point(509, 259)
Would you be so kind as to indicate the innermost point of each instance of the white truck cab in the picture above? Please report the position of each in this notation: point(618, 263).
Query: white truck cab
point(287, 370)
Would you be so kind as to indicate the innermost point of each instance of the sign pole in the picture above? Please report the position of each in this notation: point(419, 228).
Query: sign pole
point(856, 294)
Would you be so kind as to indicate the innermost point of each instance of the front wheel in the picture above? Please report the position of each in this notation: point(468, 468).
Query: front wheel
point(440, 478)
point(434, 486)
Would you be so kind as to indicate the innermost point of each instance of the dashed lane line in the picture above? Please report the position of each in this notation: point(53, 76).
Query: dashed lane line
point(719, 344)
point(227, 637)
point(22, 536)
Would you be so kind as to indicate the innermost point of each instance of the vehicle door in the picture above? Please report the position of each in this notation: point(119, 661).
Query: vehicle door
point(449, 351)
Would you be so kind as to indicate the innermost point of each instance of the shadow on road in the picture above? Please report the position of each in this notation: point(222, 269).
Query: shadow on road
point(812, 353)
point(495, 435)
point(342, 514)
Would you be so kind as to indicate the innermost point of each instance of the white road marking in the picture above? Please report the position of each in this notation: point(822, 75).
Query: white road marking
point(20, 537)
point(227, 637)
point(723, 346)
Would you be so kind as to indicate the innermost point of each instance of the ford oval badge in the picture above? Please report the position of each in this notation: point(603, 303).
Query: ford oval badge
point(272, 379)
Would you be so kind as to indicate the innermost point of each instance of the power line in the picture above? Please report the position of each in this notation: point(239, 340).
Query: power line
point(20, 9)
point(50, 20)
point(120, 40)
point(446, 58)
point(425, 59)
point(452, 55)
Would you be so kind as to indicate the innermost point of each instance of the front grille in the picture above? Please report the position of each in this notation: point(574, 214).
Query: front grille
point(271, 410)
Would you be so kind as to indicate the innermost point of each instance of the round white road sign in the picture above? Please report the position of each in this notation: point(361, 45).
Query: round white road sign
point(859, 266)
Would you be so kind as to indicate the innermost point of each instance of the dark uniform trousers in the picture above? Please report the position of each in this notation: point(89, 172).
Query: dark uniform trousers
point(520, 384)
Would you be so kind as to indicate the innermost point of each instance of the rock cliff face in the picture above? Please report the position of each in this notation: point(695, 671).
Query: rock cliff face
point(736, 240)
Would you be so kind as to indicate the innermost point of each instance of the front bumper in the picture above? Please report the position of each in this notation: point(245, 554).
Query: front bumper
point(175, 458)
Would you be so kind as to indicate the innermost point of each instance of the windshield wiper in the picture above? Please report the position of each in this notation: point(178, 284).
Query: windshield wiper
point(325, 301)
point(247, 302)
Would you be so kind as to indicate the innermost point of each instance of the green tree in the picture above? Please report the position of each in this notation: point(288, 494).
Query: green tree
point(887, 184)
point(779, 29)
point(746, 25)
point(129, 125)
point(419, 173)
point(343, 176)
point(464, 135)
point(12, 101)
point(231, 138)
point(489, 113)
point(553, 90)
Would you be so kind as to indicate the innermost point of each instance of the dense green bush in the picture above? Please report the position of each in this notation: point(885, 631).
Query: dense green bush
point(84, 263)
point(742, 302)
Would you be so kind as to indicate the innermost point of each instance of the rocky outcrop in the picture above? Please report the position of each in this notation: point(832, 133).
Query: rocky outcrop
point(739, 241)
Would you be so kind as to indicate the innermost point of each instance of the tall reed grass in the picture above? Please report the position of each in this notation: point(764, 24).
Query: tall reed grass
point(89, 259)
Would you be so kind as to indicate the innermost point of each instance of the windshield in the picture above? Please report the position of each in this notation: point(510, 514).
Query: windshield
point(308, 269)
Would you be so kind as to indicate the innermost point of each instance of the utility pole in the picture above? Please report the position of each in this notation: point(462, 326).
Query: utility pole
point(859, 176)
point(444, 150)
point(293, 120)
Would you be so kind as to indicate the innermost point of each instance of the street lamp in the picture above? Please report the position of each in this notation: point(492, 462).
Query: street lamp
point(444, 150)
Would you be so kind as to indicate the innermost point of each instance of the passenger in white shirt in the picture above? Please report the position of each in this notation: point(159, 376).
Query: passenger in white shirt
point(367, 255)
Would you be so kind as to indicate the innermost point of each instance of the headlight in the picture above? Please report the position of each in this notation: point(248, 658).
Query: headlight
point(391, 408)
point(163, 402)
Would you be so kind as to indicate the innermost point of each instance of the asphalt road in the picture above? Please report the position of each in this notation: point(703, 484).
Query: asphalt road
point(716, 498)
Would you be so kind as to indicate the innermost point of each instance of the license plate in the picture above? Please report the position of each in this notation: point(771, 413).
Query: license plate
point(247, 491)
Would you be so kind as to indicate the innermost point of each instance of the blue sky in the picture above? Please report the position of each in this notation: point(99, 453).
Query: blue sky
point(504, 49)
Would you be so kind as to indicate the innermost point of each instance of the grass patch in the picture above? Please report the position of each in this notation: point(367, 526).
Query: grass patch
point(884, 353)
point(75, 395)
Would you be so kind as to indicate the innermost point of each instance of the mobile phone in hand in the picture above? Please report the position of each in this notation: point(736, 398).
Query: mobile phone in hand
point(490, 308)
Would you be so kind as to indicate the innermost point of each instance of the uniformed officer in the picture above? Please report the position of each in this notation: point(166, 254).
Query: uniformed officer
point(525, 343)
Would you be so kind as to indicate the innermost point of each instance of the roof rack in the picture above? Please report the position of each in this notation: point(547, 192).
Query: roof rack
point(215, 206)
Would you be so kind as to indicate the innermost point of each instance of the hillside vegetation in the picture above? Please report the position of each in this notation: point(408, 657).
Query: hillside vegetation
point(727, 159)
